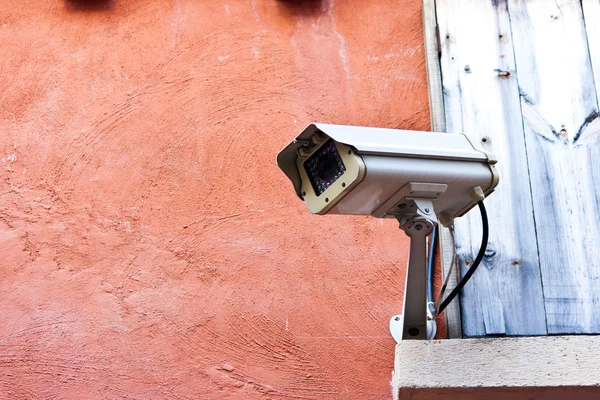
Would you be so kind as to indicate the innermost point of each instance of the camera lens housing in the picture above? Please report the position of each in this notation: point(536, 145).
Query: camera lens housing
point(324, 167)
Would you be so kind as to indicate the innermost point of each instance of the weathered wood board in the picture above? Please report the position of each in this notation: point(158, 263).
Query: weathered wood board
point(438, 124)
point(520, 74)
point(560, 116)
point(591, 15)
point(481, 96)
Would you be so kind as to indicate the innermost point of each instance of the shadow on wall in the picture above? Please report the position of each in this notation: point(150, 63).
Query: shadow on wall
point(90, 5)
point(303, 7)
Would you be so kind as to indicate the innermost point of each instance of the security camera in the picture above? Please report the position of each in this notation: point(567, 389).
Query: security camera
point(339, 169)
point(419, 178)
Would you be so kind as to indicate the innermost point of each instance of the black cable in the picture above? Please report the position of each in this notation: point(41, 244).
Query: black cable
point(464, 280)
point(430, 265)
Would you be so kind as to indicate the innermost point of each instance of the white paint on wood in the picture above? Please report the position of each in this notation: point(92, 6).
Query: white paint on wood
point(591, 16)
point(452, 312)
point(523, 362)
point(434, 77)
point(438, 124)
point(560, 112)
point(481, 97)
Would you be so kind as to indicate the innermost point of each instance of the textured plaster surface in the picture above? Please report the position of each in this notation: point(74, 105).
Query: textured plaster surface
point(149, 246)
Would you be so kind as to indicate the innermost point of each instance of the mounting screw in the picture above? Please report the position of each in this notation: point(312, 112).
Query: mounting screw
point(418, 227)
point(397, 319)
point(402, 206)
point(426, 211)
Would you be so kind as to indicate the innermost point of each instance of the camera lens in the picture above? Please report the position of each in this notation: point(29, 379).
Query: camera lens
point(324, 167)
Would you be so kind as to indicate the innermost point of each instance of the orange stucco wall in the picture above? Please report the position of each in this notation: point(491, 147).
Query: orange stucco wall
point(150, 248)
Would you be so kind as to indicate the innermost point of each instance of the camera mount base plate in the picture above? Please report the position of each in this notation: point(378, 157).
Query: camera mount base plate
point(397, 324)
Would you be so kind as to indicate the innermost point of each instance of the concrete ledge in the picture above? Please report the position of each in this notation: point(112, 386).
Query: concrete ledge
point(522, 368)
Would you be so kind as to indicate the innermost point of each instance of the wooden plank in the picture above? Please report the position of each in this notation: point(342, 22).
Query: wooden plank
point(432, 61)
point(438, 124)
point(591, 16)
point(454, 367)
point(560, 111)
point(481, 97)
point(452, 312)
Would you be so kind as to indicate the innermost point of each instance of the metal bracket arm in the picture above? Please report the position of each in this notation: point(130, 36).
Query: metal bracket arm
point(412, 324)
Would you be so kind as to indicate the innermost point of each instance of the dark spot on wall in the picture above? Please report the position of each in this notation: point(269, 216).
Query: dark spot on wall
point(303, 8)
point(90, 5)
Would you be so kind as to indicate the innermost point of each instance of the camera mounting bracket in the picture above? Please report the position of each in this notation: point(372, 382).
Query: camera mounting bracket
point(412, 324)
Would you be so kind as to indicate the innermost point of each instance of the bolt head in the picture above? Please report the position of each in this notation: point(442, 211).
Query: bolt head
point(418, 227)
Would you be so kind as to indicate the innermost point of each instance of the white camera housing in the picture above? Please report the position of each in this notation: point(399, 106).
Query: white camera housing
point(339, 169)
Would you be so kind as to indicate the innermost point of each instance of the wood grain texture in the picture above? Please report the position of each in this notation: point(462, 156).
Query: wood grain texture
point(550, 364)
point(432, 62)
point(438, 124)
point(452, 313)
point(591, 16)
point(560, 114)
point(481, 97)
